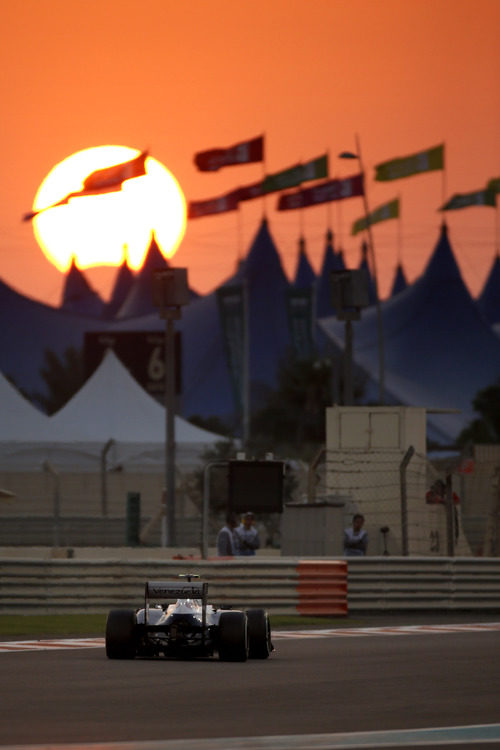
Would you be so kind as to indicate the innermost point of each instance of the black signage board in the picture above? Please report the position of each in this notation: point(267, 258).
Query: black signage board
point(142, 353)
point(256, 486)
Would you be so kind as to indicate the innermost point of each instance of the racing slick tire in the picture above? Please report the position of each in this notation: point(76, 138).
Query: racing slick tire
point(121, 634)
point(233, 636)
point(259, 634)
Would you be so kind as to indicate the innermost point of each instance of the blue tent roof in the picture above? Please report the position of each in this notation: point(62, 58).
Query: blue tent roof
point(78, 296)
point(489, 299)
point(31, 329)
point(332, 261)
point(399, 282)
point(438, 349)
point(139, 300)
point(304, 275)
point(364, 265)
point(123, 283)
point(207, 389)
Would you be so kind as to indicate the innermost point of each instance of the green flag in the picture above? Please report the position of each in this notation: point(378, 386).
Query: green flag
point(424, 161)
point(316, 169)
point(387, 211)
point(494, 185)
point(463, 200)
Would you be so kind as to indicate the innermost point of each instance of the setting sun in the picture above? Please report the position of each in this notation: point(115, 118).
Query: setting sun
point(106, 228)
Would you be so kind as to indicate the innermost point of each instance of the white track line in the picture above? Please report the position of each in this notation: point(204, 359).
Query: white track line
point(81, 643)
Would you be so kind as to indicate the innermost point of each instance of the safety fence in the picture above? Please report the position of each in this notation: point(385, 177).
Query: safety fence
point(282, 586)
point(412, 506)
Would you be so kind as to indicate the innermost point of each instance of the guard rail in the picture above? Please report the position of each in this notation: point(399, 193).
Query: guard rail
point(281, 585)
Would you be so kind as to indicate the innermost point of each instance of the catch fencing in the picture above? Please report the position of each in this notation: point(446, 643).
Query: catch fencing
point(394, 491)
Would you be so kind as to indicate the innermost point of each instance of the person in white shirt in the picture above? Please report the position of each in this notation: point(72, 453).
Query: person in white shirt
point(225, 538)
point(355, 537)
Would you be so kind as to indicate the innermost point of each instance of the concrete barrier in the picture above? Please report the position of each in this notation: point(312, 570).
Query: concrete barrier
point(281, 585)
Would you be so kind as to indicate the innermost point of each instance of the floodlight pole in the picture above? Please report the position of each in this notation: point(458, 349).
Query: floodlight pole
point(380, 332)
point(381, 363)
point(170, 292)
point(168, 519)
point(348, 387)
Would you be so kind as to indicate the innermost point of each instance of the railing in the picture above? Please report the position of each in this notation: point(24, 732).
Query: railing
point(283, 585)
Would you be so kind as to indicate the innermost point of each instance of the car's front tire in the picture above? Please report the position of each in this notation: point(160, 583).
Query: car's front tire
point(233, 636)
point(121, 634)
point(259, 634)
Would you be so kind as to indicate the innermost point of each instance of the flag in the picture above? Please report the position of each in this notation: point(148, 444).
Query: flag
point(240, 153)
point(107, 180)
point(315, 169)
point(227, 202)
point(332, 190)
point(494, 185)
point(424, 161)
point(248, 192)
point(387, 211)
point(463, 200)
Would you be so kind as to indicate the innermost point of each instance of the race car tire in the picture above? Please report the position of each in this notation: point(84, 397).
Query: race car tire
point(259, 634)
point(121, 631)
point(233, 636)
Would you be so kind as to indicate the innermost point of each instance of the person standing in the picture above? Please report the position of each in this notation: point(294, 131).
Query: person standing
point(355, 537)
point(246, 536)
point(225, 538)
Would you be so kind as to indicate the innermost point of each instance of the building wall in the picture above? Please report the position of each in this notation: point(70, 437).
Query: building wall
point(366, 446)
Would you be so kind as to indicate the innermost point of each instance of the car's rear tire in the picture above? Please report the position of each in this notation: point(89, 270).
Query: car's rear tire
point(121, 634)
point(259, 634)
point(233, 636)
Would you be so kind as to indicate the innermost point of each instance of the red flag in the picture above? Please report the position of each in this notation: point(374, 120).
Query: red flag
point(116, 175)
point(246, 193)
point(240, 153)
point(228, 202)
point(333, 190)
point(107, 180)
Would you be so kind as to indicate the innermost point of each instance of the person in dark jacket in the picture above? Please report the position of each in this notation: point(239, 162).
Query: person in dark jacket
point(246, 536)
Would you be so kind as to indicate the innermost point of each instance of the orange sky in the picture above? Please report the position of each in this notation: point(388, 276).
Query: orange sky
point(179, 77)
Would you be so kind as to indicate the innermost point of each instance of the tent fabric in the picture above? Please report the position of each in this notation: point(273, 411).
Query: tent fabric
point(304, 275)
point(489, 299)
point(206, 384)
point(78, 295)
point(28, 329)
point(399, 282)
point(121, 287)
point(110, 406)
point(19, 419)
point(332, 261)
point(365, 266)
point(438, 349)
point(139, 299)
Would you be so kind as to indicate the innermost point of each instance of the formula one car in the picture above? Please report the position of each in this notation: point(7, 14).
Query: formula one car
point(186, 627)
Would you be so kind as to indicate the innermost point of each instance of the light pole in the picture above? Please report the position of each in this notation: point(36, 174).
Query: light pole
point(170, 292)
point(380, 334)
point(349, 295)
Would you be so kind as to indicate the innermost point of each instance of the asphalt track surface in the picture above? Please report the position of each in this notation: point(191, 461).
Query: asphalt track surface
point(315, 691)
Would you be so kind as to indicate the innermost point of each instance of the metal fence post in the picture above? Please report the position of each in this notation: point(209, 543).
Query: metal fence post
point(450, 541)
point(404, 504)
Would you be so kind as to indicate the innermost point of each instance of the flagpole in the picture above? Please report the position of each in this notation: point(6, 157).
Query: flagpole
point(339, 224)
point(380, 336)
point(400, 231)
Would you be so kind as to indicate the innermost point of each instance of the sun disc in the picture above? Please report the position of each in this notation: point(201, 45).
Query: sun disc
point(107, 228)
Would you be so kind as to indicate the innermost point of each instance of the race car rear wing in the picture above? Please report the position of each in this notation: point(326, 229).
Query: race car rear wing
point(174, 590)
